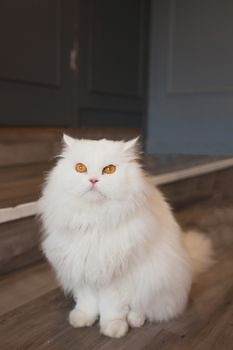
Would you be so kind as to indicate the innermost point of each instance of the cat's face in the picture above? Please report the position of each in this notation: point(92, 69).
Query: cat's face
point(99, 170)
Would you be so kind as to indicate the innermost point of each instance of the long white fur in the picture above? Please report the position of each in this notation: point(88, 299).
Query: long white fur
point(118, 249)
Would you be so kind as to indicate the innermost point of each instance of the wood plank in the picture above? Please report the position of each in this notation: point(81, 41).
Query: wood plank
point(208, 335)
point(19, 244)
point(207, 299)
point(47, 321)
point(24, 285)
point(33, 145)
point(22, 183)
point(165, 163)
point(215, 185)
point(51, 134)
point(218, 332)
point(24, 152)
point(149, 337)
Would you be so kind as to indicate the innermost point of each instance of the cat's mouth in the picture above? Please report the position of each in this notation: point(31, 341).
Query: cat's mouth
point(93, 190)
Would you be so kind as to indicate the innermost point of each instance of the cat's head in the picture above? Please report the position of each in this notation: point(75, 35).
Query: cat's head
point(99, 170)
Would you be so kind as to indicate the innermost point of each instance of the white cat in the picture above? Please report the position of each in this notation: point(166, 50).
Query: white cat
point(113, 240)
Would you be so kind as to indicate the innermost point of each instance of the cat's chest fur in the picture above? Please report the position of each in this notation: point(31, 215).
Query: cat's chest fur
point(92, 256)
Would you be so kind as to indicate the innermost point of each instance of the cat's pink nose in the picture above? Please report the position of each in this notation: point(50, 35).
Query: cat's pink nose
point(93, 181)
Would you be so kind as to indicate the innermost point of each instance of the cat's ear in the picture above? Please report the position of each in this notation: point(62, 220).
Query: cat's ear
point(131, 144)
point(131, 148)
point(68, 140)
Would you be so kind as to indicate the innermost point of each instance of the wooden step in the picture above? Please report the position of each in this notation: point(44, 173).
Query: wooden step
point(19, 244)
point(216, 184)
point(19, 238)
point(37, 145)
point(21, 183)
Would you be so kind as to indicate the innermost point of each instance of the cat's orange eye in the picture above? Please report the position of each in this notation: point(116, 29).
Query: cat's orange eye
point(109, 169)
point(81, 168)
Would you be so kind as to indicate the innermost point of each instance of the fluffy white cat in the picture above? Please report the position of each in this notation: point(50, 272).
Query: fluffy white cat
point(113, 240)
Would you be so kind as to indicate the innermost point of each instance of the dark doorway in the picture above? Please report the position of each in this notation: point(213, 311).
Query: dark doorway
point(73, 63)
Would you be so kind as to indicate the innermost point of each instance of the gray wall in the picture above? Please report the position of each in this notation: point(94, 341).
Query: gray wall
point(190, 107)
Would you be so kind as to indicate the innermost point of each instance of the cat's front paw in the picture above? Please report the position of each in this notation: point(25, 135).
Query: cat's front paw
point(78, 318)
point(135, 319)
point(114, 328)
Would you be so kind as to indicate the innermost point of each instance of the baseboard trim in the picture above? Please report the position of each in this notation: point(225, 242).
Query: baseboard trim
point(29, 209)
point(18, 212)
point(192, 171)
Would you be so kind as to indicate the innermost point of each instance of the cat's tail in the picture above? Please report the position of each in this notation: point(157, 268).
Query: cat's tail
point(200, 249)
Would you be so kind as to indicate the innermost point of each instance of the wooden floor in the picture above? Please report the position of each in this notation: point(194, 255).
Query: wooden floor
point(33, 311)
